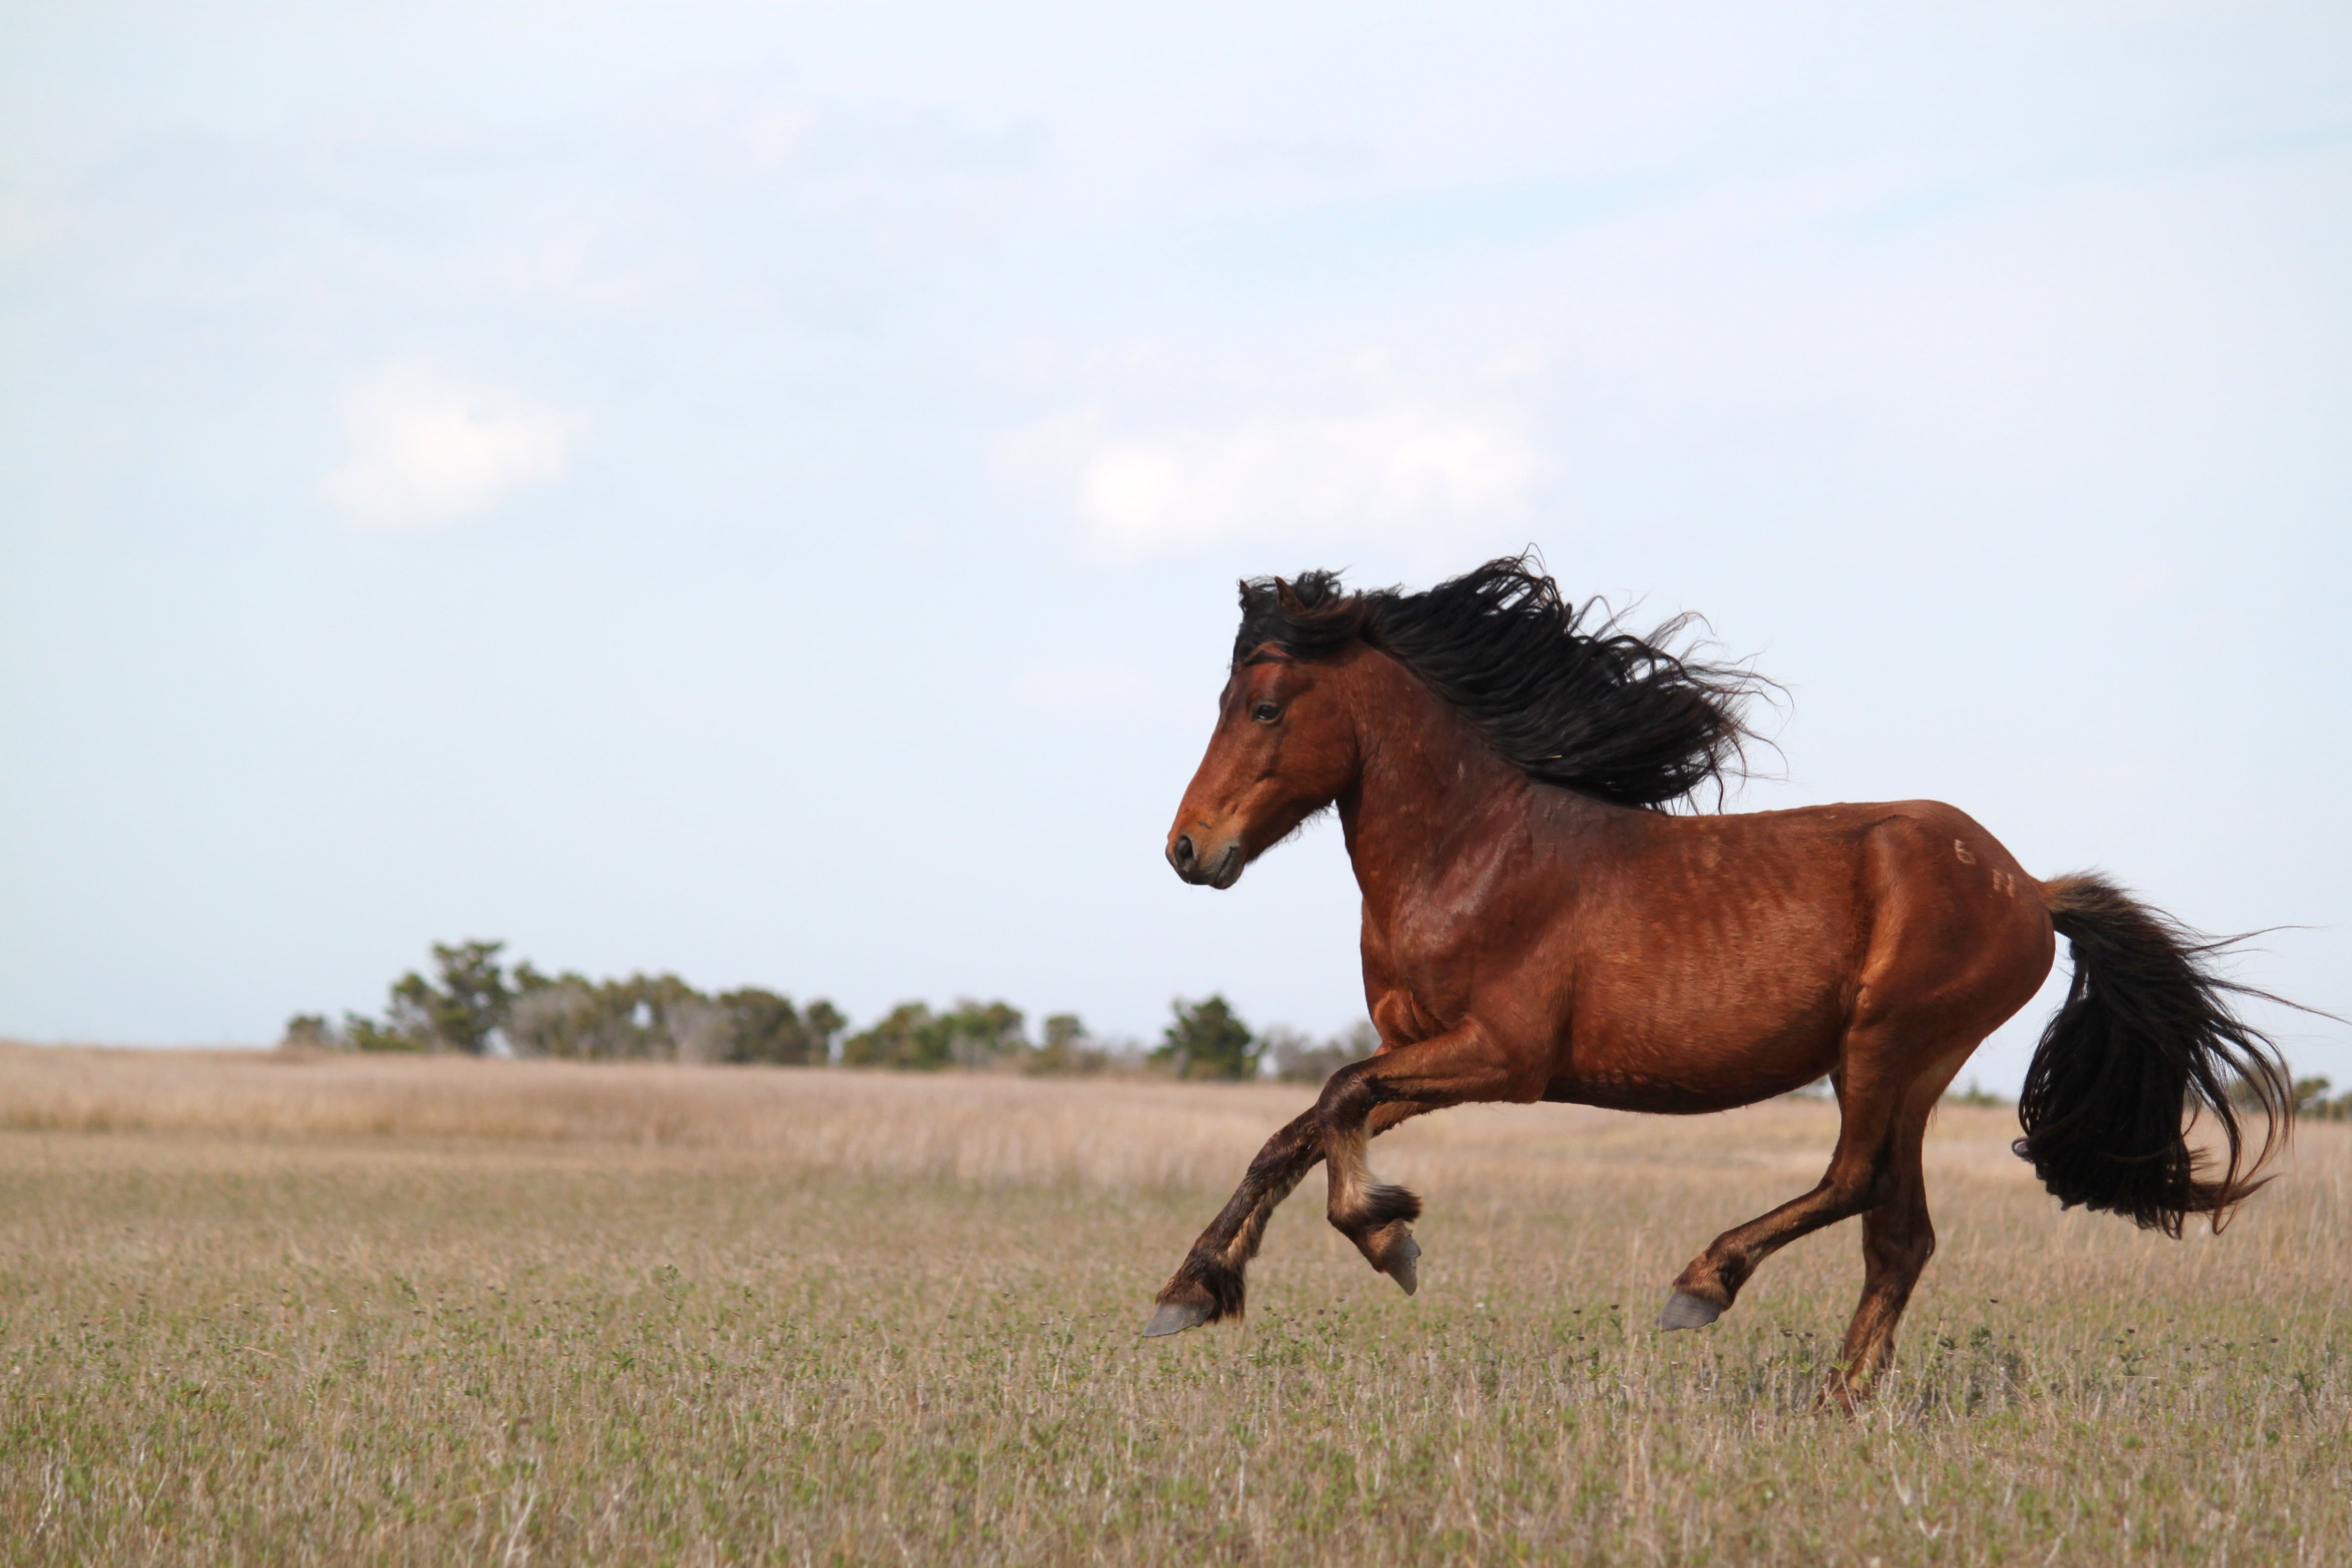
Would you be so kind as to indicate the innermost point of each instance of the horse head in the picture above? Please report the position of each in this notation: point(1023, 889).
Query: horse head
point(1284, 747)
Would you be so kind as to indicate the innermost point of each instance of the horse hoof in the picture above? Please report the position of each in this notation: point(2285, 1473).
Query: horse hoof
point(1688, 1311)
point(1174, 1318)
point(1403, 1267)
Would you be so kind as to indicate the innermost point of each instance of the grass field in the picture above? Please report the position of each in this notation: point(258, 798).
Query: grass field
point(263, 1311)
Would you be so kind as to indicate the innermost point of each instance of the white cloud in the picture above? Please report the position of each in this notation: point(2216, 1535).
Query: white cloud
point(1401, 465)
point(427, 449)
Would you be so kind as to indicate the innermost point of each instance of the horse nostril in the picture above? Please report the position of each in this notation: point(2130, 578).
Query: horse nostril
point(1183, 851)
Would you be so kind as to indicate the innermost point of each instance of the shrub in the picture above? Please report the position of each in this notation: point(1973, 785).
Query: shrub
point(2311, 1100)
point(1207, 1039)
point(763, 1027)
point(1301, 1058)
point(973, 1035)
point(1069, 1050)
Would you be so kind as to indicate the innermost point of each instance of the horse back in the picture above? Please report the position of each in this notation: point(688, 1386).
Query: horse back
point(1698, 963)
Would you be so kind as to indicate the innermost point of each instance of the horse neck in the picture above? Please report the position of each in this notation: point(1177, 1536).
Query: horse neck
point(1428, 785)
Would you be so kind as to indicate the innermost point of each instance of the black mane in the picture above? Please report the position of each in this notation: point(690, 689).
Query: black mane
point(1593, 708)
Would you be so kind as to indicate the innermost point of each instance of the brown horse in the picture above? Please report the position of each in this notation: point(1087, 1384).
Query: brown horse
point(1536, 927)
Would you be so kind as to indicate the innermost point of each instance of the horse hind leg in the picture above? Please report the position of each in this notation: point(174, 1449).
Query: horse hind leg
point(1860, 1177)
point(1898, 1240)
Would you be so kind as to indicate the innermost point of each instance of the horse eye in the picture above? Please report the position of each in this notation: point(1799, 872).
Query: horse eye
point(1265, 712)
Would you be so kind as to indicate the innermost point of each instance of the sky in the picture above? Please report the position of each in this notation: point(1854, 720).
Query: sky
point(756, 492)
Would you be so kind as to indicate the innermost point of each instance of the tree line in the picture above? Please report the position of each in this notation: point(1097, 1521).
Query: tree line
point(473, 1003)
point(2310, 1097)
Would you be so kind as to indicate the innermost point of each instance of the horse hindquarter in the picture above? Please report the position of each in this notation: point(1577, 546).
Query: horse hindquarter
point(1956, 940)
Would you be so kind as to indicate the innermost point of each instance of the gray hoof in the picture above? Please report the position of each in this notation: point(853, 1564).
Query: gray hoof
point(1403, 1267)
point(1684, 1311)
point(1174, 1318)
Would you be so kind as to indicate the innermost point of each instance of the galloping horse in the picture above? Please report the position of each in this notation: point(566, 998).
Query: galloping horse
point(1536, 926)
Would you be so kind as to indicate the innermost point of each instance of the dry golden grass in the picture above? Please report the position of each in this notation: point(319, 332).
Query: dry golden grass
point(262, 1311)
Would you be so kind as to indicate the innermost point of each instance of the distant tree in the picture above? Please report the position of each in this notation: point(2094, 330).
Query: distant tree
point(1208, 1039)
point(766, 1027)
point(678, 1023)
point(419, 1015)
point(894, 1041)
point(471, 1001)
point(400, 1031)
point(655, 1017)
point(1067, 1049)
point(463, 1010)
point(309, 1032)
point(974, 1034)
point(762, 1027)
point(825, 1023)
point(694, 1028)
point(2311, 1100)
point(572, 1017)
point(1301, 1058)
point(2308, 1096)
point(979, 1034)
point(1975, 1094)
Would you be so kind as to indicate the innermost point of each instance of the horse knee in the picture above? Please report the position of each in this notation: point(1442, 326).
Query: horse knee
point(1854, 1192)
point(1859, 1190)
point(1347, 1099)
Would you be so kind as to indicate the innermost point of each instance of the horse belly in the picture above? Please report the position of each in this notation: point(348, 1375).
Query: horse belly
point(1707, 1017)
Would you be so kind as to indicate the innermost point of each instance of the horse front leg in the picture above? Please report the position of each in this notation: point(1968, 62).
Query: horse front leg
point(1211, 1284)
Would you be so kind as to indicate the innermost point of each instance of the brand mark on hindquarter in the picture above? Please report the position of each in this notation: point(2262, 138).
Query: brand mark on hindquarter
point(1960, 847)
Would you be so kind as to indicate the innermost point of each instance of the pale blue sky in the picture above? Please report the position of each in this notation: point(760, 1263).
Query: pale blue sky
point(756, 490)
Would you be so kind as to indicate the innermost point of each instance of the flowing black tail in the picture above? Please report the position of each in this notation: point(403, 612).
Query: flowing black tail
point(2145, 1042)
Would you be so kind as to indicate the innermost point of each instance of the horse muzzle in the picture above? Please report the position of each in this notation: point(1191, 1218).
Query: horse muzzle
point(1216, 866)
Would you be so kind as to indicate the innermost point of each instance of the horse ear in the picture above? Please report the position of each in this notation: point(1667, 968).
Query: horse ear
point(1286, 598)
